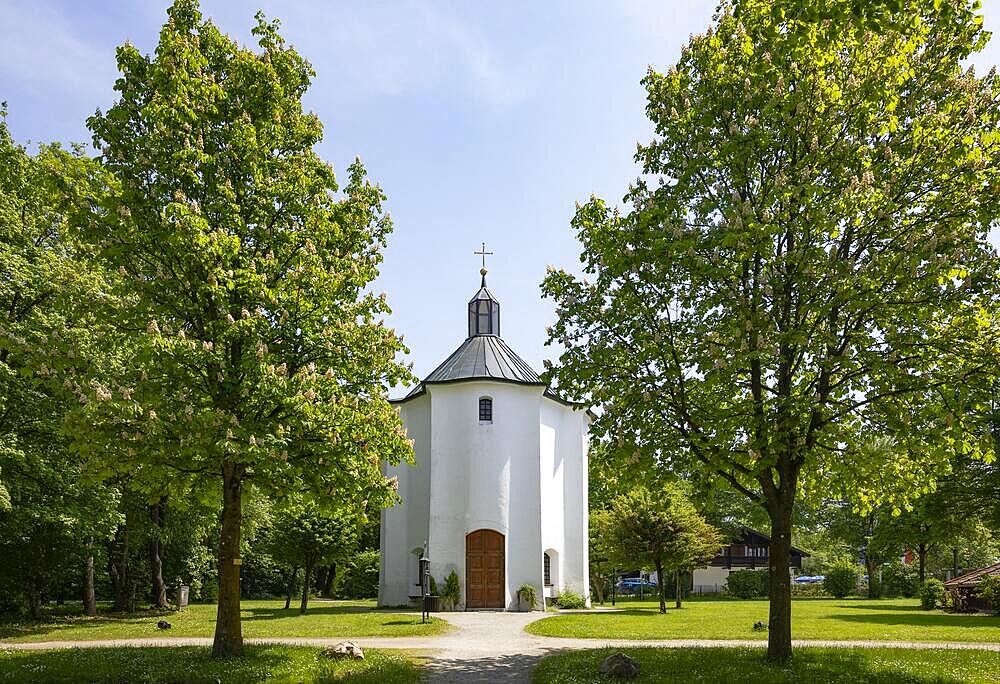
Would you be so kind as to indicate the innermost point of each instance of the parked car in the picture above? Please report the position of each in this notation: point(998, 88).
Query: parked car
point(633, 584)
point(809, 579)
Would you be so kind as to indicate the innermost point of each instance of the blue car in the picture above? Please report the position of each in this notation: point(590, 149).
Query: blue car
point(633, 584)
point(809, 579)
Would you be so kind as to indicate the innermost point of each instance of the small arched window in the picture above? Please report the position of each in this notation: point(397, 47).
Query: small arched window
point(485, 410)
point(548, 569)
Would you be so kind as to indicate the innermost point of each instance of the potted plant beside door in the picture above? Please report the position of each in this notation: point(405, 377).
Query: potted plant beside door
point(526, 597)
point(451, 595)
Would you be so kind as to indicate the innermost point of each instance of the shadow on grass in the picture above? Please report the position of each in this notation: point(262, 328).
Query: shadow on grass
point(193, 664)
point(55, 622)
point(264, 613)
point(838, 666)
point(923, 619)
point(889, 607)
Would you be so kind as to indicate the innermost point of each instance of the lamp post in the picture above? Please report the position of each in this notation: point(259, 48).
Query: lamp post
point(424, 565)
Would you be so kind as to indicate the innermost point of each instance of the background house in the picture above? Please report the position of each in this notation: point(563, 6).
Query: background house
point(749, 550)
point(966, 586)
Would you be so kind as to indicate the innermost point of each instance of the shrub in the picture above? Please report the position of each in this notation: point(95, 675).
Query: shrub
point(900, 580)
point(451, 595)
point(989, 591)
point(432, 585)
point(526, 593)
point(361, 576)
point(808, 590)
point(748, 584)
point(570, 599)
point(931, 594)
point(841, 580)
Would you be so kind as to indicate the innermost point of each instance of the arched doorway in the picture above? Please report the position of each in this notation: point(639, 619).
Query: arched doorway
point(484, 569)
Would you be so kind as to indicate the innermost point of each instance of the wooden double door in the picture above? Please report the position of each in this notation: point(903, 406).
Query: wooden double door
point(484, 569)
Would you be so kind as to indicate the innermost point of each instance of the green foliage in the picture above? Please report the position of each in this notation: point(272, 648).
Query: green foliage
point(255, 348)
point(748, 584)
point(659, 528)
point(841, 580)
point(451, 594)
point(932, 594)
point(526, 593)
point(303, 535)
point(255, 339)
point(899, 580)
point(808, 590)
point(52, 513)
point(790, 277)
point(989, 591)
point(361, 576)
point(432, 585)
point(570, 600)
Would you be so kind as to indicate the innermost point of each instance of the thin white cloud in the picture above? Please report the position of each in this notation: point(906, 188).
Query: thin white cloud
point(402, 48)
point(39, 48)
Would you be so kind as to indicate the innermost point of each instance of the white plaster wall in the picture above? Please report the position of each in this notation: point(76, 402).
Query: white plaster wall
point(709, 580)
point(552, 471)
point(405, 525)
point(484, 475)
point(564, 494)
point(524, 475)
point(576, 557)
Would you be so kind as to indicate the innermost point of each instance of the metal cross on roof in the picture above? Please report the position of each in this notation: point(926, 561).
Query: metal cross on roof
point(484, 254)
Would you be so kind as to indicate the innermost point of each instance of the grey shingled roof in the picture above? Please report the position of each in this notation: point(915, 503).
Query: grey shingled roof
point(482, 357)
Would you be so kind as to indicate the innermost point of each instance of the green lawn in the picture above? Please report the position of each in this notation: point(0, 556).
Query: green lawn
point(850, 619)
point(333, 619)
point(194, 664)
point(715, 665)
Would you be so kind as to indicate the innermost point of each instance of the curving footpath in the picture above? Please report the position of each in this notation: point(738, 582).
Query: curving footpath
point(493, 646)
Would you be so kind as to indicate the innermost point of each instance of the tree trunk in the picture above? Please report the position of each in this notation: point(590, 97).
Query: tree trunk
point(113, 572)
point(954, 561)
point(677, 588)
point(228, 631)
point(871, 567)
point(306, 580)
point(659, 587)
point(597, 586)
point(291, 587)
point(331, 576)
point(89, 595)
point(34, 603)
point(121, 575)
point(158, 596)
point(779, 630)
point(921, 561)
point(322, 574)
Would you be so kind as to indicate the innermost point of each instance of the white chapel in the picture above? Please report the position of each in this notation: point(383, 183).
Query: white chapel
point(498, 492)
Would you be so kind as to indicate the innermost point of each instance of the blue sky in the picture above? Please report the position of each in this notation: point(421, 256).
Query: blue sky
point(482, 121)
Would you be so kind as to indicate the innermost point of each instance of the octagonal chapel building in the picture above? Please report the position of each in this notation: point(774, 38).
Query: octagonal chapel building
point(498, 492)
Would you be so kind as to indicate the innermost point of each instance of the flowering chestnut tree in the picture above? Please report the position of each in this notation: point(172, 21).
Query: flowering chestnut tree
point(255, 351)
point(813, 212)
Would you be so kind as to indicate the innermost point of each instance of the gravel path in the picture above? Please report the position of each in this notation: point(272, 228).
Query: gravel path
point(493, 646)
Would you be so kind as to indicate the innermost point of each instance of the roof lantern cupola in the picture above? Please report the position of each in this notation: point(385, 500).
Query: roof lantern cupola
point(484, 309)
